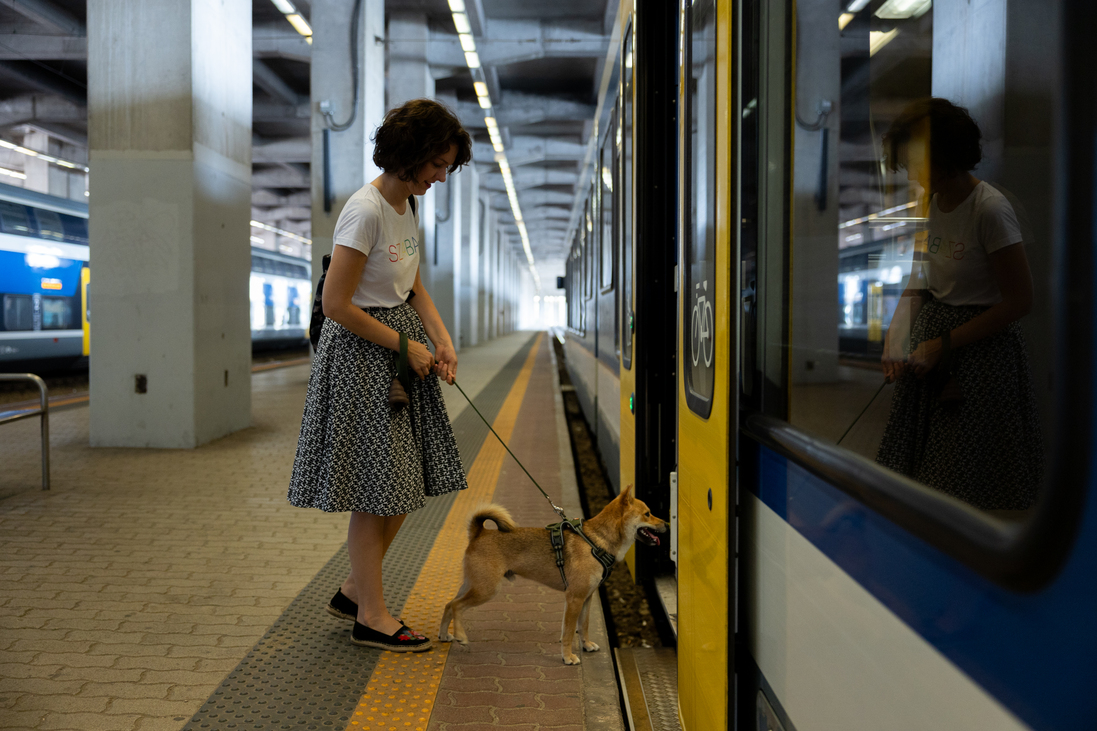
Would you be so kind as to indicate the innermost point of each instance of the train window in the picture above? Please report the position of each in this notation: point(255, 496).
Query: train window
point(699, 204)
point(626, 201)
point(75, 228)
point(49, 224)
point(59, 313)
point(921, 315)
point(606, 183)
point(591, 259)
point(14, 219)
point(18, 312)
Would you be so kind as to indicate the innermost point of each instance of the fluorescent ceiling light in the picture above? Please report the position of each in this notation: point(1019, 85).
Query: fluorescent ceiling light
point(457, 6)
point(485, 102)
point(856, 6)
point(472, 60)
point(43, 156)
point(490, 122)
point(481, 88)
point(299, 24)
point(879, 39)
point(498, 146)
point(902, 9)
point(461, 21)
point(257, 240)
point(285, 6)
point(467, 43)
point(843, 20)
point(13, 174)
point(281, 232)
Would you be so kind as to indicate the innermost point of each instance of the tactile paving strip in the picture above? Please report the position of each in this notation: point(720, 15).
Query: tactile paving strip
point(304, 672)
point(404, 686)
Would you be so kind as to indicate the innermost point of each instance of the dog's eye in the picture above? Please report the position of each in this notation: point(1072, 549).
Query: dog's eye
point(647, 514)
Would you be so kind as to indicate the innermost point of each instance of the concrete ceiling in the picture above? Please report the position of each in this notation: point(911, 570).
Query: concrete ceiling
point(543, 61)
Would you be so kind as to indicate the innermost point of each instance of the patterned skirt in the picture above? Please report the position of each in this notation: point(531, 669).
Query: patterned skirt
point(356, 452)
point(985, 449)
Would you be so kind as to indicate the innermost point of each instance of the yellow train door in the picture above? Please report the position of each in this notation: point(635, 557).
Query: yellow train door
point(706, 417)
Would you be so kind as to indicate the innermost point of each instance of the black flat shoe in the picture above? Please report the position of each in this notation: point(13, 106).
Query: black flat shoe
point(402, 640)
point(342, 607)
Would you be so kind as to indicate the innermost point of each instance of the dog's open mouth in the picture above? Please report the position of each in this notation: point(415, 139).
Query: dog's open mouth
point(647, 536)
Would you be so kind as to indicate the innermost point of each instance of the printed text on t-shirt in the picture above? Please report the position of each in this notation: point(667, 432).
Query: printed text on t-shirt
point(403, 250)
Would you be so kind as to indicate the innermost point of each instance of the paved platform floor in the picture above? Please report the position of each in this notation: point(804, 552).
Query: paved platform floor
point(131, 591)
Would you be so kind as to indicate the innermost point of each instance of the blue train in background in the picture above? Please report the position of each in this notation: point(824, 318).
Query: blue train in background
point(45, 284)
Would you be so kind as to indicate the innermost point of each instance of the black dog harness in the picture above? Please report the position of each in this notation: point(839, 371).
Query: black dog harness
point(556, 537)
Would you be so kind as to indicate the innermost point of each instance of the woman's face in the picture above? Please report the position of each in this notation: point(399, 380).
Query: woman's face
point(433, 171)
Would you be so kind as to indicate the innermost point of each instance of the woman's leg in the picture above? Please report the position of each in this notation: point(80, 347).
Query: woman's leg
point(368, 538)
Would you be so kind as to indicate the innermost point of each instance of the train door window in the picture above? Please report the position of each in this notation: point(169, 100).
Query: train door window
point(626, 201)
point(18, 312)
point(699, 206)
point(606, 183)
point(592, 236)
point(59, 313)
point(922, 324)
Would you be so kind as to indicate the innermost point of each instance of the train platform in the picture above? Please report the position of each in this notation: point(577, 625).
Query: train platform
point(172, 589)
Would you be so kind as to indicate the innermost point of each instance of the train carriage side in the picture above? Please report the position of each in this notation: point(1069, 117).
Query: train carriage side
point(955, 590)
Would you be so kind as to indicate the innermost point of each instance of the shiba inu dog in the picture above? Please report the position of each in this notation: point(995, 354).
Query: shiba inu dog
point(493, 555)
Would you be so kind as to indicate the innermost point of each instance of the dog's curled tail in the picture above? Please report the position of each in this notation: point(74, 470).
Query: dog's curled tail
point(493, 512)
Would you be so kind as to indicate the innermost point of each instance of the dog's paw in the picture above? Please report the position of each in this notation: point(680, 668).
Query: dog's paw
point(445, 637)
point(589, 646)
point(571, 660)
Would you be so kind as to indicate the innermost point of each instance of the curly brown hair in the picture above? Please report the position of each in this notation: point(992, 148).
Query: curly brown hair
point(954, 137)
point(415, 133)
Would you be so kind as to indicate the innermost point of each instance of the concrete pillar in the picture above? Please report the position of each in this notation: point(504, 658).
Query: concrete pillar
point(470, 255)
point(814, 356)
point(169, 123)
point(445, 257)
point(487, 231)
point(351, 151)
point(409, 78)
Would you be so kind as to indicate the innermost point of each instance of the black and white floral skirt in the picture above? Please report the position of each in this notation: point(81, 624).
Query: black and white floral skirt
point(356, 452)
point(985, 449)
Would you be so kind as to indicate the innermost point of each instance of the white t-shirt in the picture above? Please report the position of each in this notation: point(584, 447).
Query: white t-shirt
point(390, 241)
point(956, 245)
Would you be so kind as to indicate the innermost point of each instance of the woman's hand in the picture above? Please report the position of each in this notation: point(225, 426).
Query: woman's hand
point(445, 366)
point(893, 369)
point(420, 360)
point(925, 357)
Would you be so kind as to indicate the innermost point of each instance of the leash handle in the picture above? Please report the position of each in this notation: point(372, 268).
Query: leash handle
point(402, 370)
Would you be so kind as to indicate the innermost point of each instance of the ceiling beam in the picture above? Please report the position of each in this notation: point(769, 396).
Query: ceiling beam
point(280, 177)
point(49, 15)
point(518, 108)
point(511, 41)
point(37, 108)
point(24, 47)
point(272, 43)
point(266, 79)
point(292, 149)
point(45, 81)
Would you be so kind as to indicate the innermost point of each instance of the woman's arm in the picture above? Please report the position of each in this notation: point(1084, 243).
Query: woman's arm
point(1009, 269)
point(444, 353)
point(344, 271)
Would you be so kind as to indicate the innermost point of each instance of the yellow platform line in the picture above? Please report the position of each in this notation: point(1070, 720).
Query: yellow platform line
point(402, 690)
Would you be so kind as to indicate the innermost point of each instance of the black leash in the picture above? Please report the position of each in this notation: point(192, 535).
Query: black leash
point(863, 411)
point(556, 530)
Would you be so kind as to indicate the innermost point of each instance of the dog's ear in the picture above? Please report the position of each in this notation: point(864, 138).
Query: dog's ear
point(626, 495)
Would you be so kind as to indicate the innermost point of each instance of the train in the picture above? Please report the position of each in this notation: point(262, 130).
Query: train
point(737, 260)
point(45, 284)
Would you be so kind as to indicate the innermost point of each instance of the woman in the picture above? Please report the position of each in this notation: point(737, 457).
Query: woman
point(356, 451)
point(963, 417)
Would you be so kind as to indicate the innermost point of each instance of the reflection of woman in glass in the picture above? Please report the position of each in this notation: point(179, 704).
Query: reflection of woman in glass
point(963, 417)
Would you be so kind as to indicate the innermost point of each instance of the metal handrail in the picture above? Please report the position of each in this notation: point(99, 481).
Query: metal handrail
point(43, 411)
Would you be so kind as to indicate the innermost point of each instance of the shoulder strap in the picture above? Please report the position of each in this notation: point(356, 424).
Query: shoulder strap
point(411, 202)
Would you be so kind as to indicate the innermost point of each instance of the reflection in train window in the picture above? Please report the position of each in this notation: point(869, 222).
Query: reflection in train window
point(60, 313)
point(608, 167)
point(699, 205)
point(18, 312)
point(921, 315)
point(14, 219)
point(626, 202)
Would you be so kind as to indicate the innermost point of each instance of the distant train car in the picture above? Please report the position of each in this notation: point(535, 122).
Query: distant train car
point(45, 281)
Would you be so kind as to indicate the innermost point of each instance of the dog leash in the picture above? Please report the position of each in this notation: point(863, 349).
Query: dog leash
point(556, 530)
point(862, 411)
